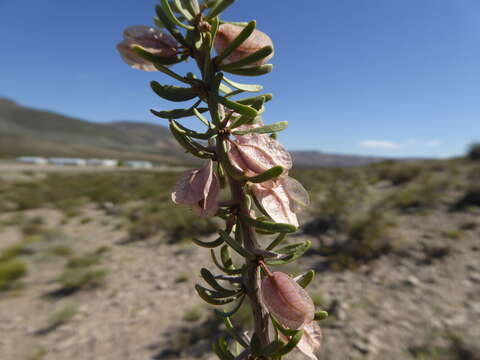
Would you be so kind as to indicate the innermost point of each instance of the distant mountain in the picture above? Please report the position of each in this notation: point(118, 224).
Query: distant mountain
point(28, 131)
point(321, 159)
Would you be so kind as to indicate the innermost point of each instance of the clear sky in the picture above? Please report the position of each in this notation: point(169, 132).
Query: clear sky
point(379, 77)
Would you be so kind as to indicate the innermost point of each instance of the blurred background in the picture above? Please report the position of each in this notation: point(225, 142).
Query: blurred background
point(383, 108)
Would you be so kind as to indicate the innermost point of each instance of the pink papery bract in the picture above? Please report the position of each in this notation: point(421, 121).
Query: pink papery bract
point(200, 189)
point(281, 198)
point(256, 153)
point(287, 301)
point(257, 40)
point(311, 340)
point(150, 39)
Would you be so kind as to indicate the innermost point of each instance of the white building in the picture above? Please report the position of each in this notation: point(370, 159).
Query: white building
point(36, 160)
point(136, 164)
point(102, 162)
point(67, 161)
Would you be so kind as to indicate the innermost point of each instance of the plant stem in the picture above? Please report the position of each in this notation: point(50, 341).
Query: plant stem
point(252, 274)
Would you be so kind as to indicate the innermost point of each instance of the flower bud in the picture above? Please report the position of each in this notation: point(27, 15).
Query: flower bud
point(200, 189)
point(287, 301)
point(257, 40)
point(150, 39)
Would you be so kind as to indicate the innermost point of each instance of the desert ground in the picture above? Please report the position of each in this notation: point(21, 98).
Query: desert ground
point(99, 265)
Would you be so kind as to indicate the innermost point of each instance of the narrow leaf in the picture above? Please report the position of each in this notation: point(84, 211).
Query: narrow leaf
point(176, 113)
point(250, 59)
point(235, 245)
point(171, 16)
point(268, 225)
point(173, 93)
point(305, 279)
point(275, 127)
point(239, 108)
point(320, 315)
point(208, 244)
point(243, 87)
point(267, 175)
point(155, 59)
point(244, 34)
point(252, 71)
point(251, 100)
point(218, 8)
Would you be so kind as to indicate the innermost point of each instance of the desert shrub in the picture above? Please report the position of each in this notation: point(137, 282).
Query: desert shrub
point(193, 314)
point(341, 199)
point(83, 261)
point(75, 279)
point(10, 272)
point(369, 236)
point(425, 193)
point(176, 222)
point(60, 250)
point(61, 317)
point(470, 199)
point(398, 173)
point(473, 152)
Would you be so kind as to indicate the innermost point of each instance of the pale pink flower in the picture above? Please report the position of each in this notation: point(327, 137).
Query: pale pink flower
point(200, 189)
point(150, 39)
point(290, 304)
point(257, 40)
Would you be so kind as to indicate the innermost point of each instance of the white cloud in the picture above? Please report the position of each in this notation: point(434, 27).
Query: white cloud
point(379, 144)
point(433, 143)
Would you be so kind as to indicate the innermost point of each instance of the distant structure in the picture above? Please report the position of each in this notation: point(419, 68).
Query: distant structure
point(136, 164)
point(35, 160)
point(67, 161)
point(102, 162)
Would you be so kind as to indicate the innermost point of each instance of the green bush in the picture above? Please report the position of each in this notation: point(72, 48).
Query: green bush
point(474, 151)
point(10, 272)
point(470, 199)
point(75, 279)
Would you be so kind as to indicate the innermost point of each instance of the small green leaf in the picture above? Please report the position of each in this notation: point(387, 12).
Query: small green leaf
point(231, 330)
point(269, 225)
point(171, 16)
point(201, 117)
point(277, 241)
point(291, 252)
point(218, 8)
point(229, 271)
point(252, 71)
point(173, 93)
point(243, 87)
point(224, 314)
point(305, 279)
point(320, 315)
point(205, 295)
point(191, 6)
point(285, 331)
point(221, 350)
point(279, 126)
point(235, 245)
point(251, 100)
point(250, 59)
point(267, 175)
point(170, 26)
point(208, 244)
point(241, 37)
point(188, 144)
point(176, 113)
point(294, 340)
point(272, 349)
point(155, 59)
point(239, 108)
point(182, 9)
point(191, 133)
point(210, 279)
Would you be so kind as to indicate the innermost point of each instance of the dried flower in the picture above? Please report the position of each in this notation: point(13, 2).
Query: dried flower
point(257, 40)
point(293, 308)
point(200, 189)
point(150, 39)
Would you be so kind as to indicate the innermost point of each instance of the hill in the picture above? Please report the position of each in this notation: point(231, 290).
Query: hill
point(25, 130)
point(28, 131)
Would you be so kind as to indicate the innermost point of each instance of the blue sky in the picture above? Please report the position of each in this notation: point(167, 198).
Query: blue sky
point(378, 77)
